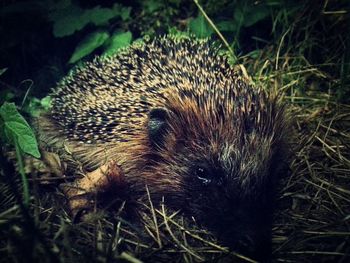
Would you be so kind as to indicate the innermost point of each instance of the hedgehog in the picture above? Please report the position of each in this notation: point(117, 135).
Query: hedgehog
point(182, 124)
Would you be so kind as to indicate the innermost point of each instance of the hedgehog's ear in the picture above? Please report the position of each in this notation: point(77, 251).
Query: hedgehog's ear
point(157, 125)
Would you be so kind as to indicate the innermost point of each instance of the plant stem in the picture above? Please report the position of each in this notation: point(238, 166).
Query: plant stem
point(216, 30)
point(23, 176)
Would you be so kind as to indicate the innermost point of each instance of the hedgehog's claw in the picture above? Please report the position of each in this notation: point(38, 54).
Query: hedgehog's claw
point(82, 193)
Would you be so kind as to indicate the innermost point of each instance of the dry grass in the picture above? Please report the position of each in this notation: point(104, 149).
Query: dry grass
point(314, 224)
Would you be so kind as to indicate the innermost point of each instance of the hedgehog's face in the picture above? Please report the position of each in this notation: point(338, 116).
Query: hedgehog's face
point(232, 198)
point(224, 178)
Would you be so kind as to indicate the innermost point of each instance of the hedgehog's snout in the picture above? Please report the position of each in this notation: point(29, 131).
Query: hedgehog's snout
point(243, 223)
point(246, 232)
point(252, 246)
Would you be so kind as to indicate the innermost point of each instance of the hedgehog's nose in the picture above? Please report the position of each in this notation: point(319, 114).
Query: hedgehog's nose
point(247, 243)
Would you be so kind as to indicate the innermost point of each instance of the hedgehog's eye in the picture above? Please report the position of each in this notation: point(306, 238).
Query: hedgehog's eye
point(204, 175)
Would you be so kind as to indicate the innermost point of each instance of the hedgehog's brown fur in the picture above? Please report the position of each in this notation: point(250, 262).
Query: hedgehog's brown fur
point(101, 112)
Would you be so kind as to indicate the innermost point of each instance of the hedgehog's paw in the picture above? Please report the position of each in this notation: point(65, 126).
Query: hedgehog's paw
point(82, 194)
point(80, 202)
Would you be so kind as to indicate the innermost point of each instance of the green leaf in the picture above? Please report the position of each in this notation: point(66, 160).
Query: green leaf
point(248, 15)
point(68, 20)
point(2, 71)
point(101, 16)
point(24, 135)
point(89, 44)
point(152, 5)
point(254, 54)
point(200, 27)
point(174, 32)
point(255, 15)
point(227, 26)
point(46, 102)
point(6, 95)
point(125, 13)
point(238, 15)
point(16, 129)
point(34, 107)
point(118, 41)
